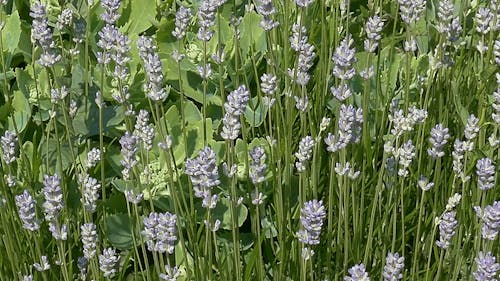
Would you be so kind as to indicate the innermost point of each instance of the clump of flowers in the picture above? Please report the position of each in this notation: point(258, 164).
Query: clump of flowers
point(312, 215)
point(160, 232)
point(235, 106)
point(204, 175)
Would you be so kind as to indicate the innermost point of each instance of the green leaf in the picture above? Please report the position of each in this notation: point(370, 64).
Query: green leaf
point(255, 117)
point(87, 124)
point(140, 15)
point(11, 32)
point(252, 35)
point(22, 111)
point(222, 212)
point(120, 231)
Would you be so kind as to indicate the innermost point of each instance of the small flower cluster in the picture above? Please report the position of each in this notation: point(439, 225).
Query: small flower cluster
point(299, 43)
point(108, 261)
point(267, 10)
point(312, 215)
point(152, 66)
point(90, 191)
point(349, 128)
point(160, 232)
point(344, 59)
point(447, 225)
point(204, 175)
point(357, 273)
point(53, 205)
point(27, 211)
point(306, 146)
point(143, 130)
point(206, 18)
point(438, 139)
point(42, 35)
point(490, 215)
point(394, 265)
point(268, 86)
point(373, 28)
point(258, 165)
point(234, 106)
point(182, 18)
point(8, 142)
point(129, 149)
point(89, 239)
point(487, 267)
point(485, 170)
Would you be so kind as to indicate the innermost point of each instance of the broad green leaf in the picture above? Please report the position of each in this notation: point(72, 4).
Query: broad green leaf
point(87, 124)
point(191, 112)
point(222, 212)
point(22, 111)
point(255, 117)
point(11, 32)
point(120, 231)
point(141, 14)
point(252, 35)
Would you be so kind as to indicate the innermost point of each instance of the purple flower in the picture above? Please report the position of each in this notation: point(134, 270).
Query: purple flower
point(487, 267)
point(108, 262)
point(447, 227)
point(42, 34)
point(312, 215)
point(89, 240)
point(182, 18)
point(204, 175)
point(344, 59)
point(485, 170)
point(110, 14)
point(394, 265)
point(27, 211)
point(357, 273)
point(160, 232)
point(490, 216)
point(90, 192)
point(8, 142)
point(373, 27)
point(153, 68)
point(258, 165)
point(306, 145)
point(438, 139)
point(234, 106)
point(129, 150)
point(53, 197)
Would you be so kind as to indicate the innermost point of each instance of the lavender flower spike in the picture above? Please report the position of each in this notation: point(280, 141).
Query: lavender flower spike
point(160, 232)
point(235, 106)
point(312, 215)
point(257, 165)
point(89, 240)
point(306, 145)
point(129, 150)
point(490, 216)
point(447, 227)
point(357, 273)
point(53, 197)
point(204, 175)
point(438, 139)
point(108, 262)
point(90, 192)
point(487, 267)
point(8, 142)
point(485, 170)
point(394, 265)
point(182, 18)
point(27, 212)
point(344, 59)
